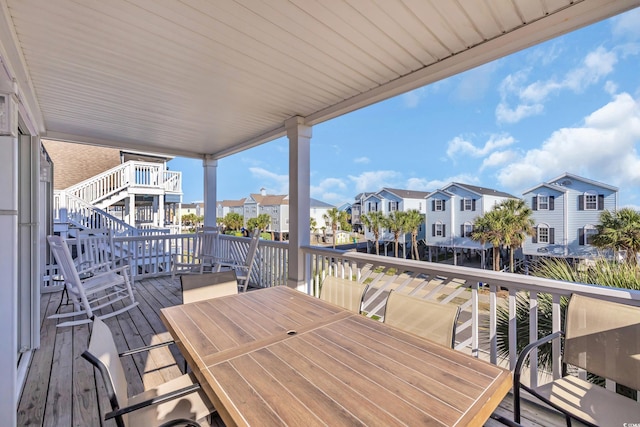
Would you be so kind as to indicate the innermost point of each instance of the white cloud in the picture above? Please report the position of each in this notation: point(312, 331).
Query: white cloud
point(604, 149)
point(498, 158)
point(626, 25)
point(272, 182)
point(375, 180)
point(361, 160)
point(495, 141)
point(529, 98)
point(412, 99)
point(330, 190)
point(423, 184)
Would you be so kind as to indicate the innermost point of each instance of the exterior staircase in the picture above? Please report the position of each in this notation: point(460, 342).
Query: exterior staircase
point(84, 204)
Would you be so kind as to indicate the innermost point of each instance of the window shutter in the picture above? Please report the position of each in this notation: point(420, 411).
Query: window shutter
point(581, 236)
point(534, 238)
point(552, 202)
point(600, 202)
point(389, 206)
point(461, 204)
point(534, 203)
point(473, 207)
point(444, 234)
point(581, 202)
point(444, 205)
point(433, 230)
point(433, 206)
point(462, 231)
point(552, 238)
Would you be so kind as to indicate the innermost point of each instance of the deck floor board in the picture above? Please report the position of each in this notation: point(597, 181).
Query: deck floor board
point(61, 387)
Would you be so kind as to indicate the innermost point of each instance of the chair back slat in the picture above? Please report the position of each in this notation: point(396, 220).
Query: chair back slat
point(208, 241)
point(603, 338)
point(198, 287)
point(343, 292)
point(428, 319)
point(104, 352)
point(64, 259)
point(95, 250)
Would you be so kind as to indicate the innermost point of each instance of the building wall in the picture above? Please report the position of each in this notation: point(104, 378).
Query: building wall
point(568, 217)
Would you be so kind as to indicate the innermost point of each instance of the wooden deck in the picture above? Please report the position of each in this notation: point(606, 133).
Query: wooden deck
point(61, 386)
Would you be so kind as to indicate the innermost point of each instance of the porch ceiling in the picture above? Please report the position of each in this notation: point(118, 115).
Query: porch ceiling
point(197, 77)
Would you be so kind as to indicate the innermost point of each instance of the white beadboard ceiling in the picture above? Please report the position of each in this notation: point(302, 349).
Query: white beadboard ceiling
point(194, 77)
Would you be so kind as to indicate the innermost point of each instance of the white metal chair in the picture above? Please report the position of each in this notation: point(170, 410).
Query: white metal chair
point(242, 268)
point(428, 319)
point(198, 287)
point(343, 292)
point(179, 401)
point(206, 243)
point(91, 289)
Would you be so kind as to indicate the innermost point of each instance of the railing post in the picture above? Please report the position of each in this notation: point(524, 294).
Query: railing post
point(533, 336)
point(474, 324)
point(493, 324)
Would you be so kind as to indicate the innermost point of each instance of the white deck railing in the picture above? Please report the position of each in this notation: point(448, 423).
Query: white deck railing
point(478, 292)
point(129, 174)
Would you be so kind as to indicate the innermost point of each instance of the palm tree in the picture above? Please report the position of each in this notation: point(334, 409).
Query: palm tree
point(262, 222)
point(374, 221)
point(233, 221)
point(396, 224)
point(517, 223)
point(335, 218)
point(489, 228)
point(619, 231)
point(413, 220)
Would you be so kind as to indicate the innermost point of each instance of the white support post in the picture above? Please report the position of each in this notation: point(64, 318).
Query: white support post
point(299, 136)
point(210, 166)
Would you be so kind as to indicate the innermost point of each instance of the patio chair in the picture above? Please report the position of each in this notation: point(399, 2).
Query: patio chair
point(175, 402)
point(603, 338)
point(206, 242)
point(428, 319)
point(198, 287)
point(91, 289)
point(346, 293)
point(242, 268)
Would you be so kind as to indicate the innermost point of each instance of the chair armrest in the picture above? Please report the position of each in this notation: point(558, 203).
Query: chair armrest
point(180, 421)
point(146, 348)
point(518, 370)
point(123, 269)
point(153, 401)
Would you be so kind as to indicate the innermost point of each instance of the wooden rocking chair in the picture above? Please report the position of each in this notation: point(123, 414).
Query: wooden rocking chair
point(91, 288)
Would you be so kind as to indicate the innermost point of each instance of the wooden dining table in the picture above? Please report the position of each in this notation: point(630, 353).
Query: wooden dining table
point(277, 356)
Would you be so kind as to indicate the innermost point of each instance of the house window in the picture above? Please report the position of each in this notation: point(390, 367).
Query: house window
point(467, 204)
point(543, 234)
point(543, 202)
point(590, 202)
point(468, 229)
point(393, 206)
point(438, 205)
point(589, 232)
point(439, 229)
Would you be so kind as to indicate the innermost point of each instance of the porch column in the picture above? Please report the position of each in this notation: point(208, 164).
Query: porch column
point(210, 194)
point(130, 210)
point(8, 266)
point(299, 136)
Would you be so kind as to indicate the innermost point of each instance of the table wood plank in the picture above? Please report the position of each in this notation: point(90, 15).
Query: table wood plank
point(333, 367)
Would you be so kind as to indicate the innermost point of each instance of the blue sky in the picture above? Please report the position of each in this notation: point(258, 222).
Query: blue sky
point(571, 104)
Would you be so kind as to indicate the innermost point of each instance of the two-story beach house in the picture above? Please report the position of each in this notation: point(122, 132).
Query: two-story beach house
point(274, 205)
point(107, 187)
point(230, 206)
point(390, 200)
point(566, 211)
point(357, 209)
point(451, 213)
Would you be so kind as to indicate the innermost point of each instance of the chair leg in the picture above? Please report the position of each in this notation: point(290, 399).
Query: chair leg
point(568, 419)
